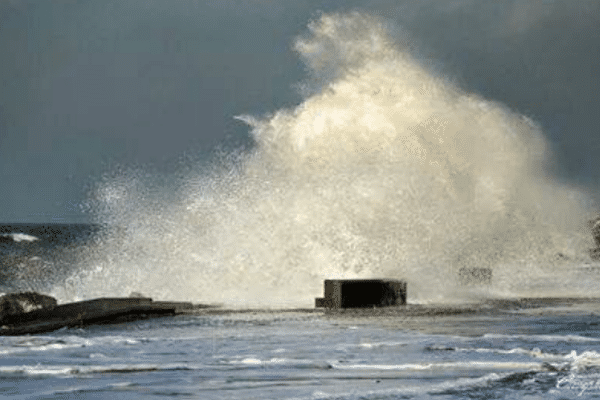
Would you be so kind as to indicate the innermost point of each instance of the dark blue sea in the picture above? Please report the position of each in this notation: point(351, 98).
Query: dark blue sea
point(38, 256)
point(542, 349)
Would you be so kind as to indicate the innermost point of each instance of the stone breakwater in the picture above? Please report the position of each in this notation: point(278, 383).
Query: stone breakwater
point(32, 313)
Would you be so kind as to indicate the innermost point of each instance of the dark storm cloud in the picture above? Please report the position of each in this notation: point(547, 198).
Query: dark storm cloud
point(89, 83)
point(541, 58)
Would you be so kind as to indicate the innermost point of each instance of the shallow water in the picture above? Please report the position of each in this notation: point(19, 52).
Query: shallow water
point(521, 353)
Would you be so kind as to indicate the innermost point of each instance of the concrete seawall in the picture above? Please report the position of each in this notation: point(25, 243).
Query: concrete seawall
point(83, 313)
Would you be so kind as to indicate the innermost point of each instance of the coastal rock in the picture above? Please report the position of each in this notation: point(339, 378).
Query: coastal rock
point(6, 239)
point(20, 303)
point(90, 312)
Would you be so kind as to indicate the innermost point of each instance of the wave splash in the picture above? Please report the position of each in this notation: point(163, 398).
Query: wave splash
point(385, 169)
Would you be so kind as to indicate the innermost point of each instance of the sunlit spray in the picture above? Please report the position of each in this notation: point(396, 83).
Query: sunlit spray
point(385, 169)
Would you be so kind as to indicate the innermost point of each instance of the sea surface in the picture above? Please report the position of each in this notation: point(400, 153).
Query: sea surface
point(537, 349)
point(313, 355)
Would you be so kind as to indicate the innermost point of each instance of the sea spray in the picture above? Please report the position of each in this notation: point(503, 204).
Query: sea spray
point(386, 169)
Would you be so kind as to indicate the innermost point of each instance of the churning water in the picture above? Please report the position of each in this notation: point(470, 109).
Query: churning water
point(385, 169)
point(313, 356)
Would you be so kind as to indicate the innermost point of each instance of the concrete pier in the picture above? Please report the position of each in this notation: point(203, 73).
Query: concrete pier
point(90, 312)
point(362, 293)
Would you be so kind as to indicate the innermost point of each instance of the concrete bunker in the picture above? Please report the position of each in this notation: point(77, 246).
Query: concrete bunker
point(362, 293)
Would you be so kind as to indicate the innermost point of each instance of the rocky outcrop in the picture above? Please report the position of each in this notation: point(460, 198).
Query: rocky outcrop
point(20, 303)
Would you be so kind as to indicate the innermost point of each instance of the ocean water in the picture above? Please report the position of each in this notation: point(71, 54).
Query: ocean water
point(40, 256)
point(386, 168)
point(305, 354)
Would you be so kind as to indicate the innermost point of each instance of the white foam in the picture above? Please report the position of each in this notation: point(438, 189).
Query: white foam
point(20, 237)
point(585, 360)
point(368, 345)
point(449, 365)
point(406, 389)
point(281, 362)
point(542, 338)
point(33, 370)
point(9, 345)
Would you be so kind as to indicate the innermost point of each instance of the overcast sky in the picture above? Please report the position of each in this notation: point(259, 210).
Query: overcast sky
point(88, 84)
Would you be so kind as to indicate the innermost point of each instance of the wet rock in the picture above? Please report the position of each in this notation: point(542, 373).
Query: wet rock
point(91, 312)
point(20, 303)
point(6, 239)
